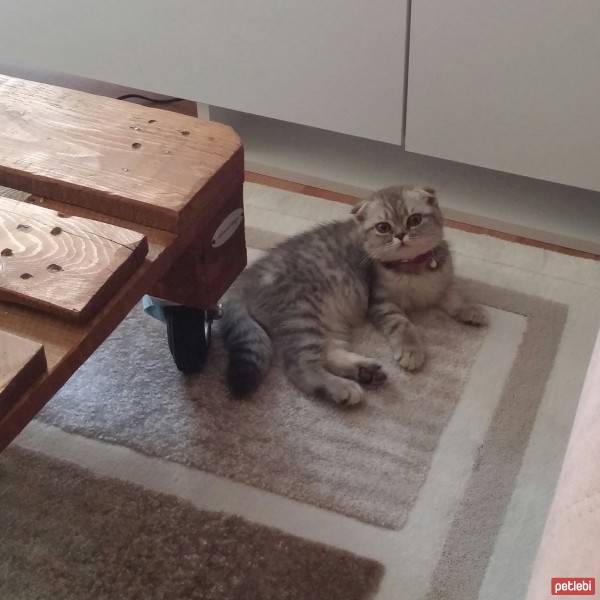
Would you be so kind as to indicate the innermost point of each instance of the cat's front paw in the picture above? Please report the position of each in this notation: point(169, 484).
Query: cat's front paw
point(472, 314)
point(411, 359)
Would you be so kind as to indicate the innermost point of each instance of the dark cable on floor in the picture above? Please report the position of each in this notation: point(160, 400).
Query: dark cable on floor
point(153, 100)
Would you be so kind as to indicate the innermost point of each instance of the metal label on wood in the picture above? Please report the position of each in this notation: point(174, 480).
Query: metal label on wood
point(228, 227)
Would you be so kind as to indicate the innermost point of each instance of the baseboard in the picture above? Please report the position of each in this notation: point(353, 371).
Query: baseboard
point(543, 211)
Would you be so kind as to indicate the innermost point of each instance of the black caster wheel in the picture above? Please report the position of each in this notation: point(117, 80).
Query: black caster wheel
point(188, 332)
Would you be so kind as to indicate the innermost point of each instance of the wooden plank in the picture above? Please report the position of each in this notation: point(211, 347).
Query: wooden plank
point(140, 164)
point(68, 345)
point(204, 272)
point(14, 194)
point(21, 363)
point(63, 265)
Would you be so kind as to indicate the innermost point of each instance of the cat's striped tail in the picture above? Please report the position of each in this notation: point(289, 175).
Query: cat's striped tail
point(249, 348)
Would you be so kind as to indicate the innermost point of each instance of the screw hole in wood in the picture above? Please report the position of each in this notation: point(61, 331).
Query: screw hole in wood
point(6, 252)
point(26, 275)
point(54, 268)
point(136, 145)
point(55, 231)
point(22, 227)
point(185, 132)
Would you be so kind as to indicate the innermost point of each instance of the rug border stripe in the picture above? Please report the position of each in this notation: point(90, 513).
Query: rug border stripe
point(470, 543)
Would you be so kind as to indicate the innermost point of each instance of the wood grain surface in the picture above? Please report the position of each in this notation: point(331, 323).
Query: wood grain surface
point(21, 363)
point(68, 344)
point(142, 164)
point(165, 176)
point(68, 266)
point(204, 273)
point(14, 194)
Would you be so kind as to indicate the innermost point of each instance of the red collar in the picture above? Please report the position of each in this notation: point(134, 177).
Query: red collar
point(412, 265)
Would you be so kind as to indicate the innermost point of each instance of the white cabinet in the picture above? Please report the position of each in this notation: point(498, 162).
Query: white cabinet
point(333, 64)
point(512, 85)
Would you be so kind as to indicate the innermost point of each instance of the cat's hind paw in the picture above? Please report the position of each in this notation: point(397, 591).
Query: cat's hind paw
point(472, 314)
point(370, 373)
point(343, 392)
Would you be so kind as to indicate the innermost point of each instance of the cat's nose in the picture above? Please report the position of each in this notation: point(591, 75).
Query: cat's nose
point(401, 236)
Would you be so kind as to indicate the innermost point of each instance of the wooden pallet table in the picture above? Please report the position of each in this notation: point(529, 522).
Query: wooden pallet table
point(126, 200)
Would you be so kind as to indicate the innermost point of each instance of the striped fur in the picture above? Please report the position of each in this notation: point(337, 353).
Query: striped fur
point(249, 348)
point(300, 302)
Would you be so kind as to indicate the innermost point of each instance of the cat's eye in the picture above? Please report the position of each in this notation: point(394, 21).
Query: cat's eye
point(383, 227)
point(414, 220)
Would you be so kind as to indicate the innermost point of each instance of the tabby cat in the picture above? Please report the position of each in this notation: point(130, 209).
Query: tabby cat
point(303, 298)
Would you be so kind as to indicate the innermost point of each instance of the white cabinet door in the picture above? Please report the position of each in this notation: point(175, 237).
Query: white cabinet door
point(334, 64)
point(512, 85)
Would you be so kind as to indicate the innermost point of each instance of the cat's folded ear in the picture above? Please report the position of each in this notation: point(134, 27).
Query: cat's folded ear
point(358, 210)
point(431, 196)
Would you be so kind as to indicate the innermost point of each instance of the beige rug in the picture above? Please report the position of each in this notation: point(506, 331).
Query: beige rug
point(367, 463)
point(473, 530)
point(67, 535)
